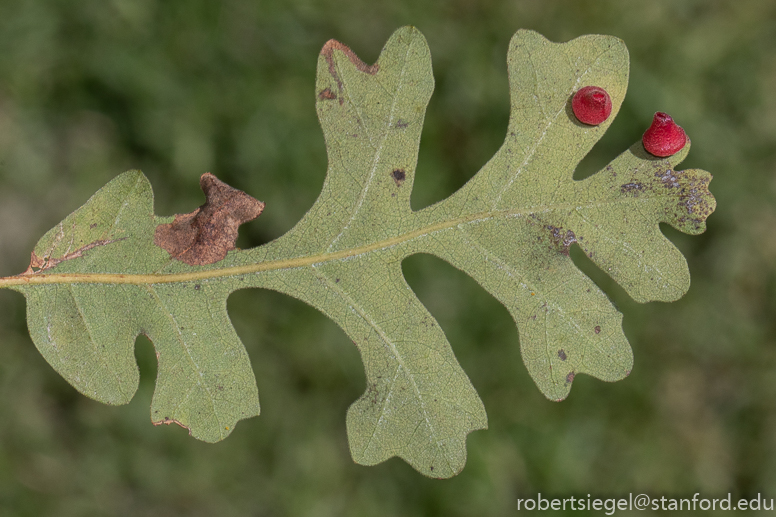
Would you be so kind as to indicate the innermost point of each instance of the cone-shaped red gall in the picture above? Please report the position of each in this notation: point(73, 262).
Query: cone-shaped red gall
point(664, 137)
point(591, 105)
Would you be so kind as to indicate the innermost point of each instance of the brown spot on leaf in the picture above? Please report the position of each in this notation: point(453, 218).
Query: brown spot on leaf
point(398, 176)
point(562, 240)
point(401, 124)
point(570, 377)
point(38, 264)
point(597, 329)
point(328, 53)
point(327, 94)
point(207, 234)
point(167, 421)
point(562, 354)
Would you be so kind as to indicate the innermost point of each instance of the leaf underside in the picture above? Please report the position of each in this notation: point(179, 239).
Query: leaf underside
point(98, 280)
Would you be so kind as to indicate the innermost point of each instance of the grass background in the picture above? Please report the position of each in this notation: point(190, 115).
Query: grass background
point(90, 89)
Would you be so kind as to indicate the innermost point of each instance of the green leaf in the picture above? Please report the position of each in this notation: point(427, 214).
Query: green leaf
point(112, 270)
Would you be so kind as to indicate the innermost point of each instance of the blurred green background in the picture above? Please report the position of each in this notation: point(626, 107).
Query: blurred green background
point(176, 88)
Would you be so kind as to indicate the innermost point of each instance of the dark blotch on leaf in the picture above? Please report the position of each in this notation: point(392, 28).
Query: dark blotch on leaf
point(562, 354)
point(208, 233)
point(561, 240)
point(597, 329)
point(570, 377)
point(398, 176)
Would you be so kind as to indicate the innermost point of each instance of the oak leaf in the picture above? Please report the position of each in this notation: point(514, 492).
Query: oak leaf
point(113, 270)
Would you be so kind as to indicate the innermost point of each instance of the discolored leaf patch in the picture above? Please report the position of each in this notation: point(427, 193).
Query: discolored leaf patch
point(168, 421)
point(38, 264)
point(207, 234)
point(327, 94)
point(328, 53)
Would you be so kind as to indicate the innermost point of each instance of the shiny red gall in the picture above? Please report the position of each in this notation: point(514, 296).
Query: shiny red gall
point(591, 105)
point(664, 137)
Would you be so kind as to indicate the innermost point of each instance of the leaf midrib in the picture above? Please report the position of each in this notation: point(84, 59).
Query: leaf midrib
point(292, 263)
